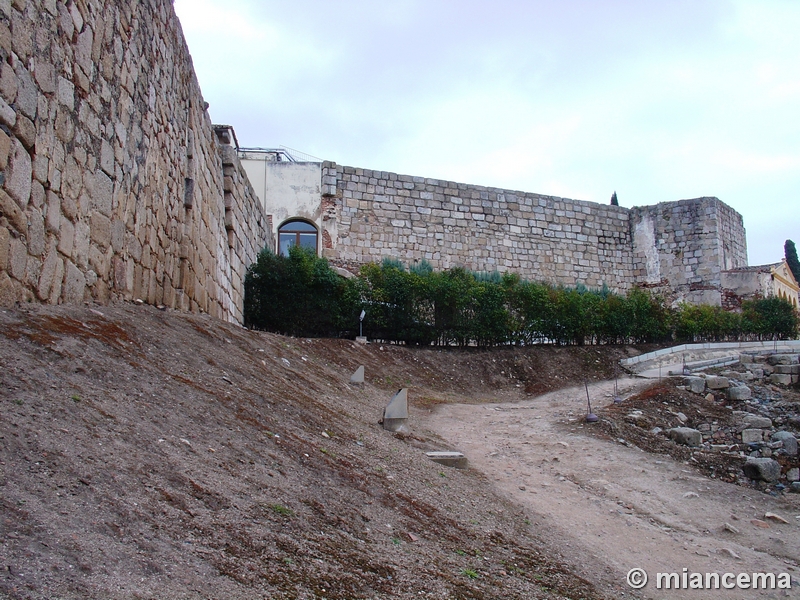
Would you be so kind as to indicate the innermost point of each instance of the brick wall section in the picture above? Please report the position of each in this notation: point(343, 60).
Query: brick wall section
point(114, 184)
point(485, 229)
point(673, 245)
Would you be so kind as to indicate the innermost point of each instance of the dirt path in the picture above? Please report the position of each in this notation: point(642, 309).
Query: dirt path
point(611, 508)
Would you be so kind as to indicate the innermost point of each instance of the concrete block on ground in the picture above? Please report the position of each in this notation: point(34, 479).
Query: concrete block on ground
point(358, 375)
point(449, 459)
point(763, 469)
point(395, 415)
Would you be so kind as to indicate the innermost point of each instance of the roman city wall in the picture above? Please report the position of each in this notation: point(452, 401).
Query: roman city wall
point(115, 184)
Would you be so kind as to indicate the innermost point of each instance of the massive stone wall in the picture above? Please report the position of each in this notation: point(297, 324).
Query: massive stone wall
point(377, 214)
point(684, 246)
point(680, 247)
point(114, 184)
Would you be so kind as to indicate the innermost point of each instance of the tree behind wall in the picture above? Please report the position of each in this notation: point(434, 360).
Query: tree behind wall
point(791, 258)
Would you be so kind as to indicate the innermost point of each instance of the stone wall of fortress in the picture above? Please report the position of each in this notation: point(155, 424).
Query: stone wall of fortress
point(114, 184)
point(679, 247)
point(113, 181)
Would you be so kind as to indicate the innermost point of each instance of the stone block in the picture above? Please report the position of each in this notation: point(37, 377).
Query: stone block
point(19, 174)
point(100, 230)
point(780, 379)
point(695, 384)
point(717, 383)
point(787, 369)
point(685, 436)
point(757, 421)
point(762, 469)
point(74, 284)
point(751, 436)
point(25, 131)
point(36, 237)
point(27, 92)
point(52, 270)
point(788, 440)
point(8, 90)
point(782, 359)
point(11, 211)
point(66, 238)
point(793, 475)
point(102, 193)
point(741, 392)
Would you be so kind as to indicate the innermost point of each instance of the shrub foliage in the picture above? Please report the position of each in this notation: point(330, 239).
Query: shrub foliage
point(301, 295)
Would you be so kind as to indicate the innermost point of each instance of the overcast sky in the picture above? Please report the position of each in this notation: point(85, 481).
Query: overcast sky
point(656, 100)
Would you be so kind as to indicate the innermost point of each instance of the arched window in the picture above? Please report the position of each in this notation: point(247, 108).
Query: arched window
point(296, 233)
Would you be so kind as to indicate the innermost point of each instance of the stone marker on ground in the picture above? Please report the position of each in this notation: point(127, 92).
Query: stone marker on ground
point(449, 459)
point(764, 469)
point(358, 376)
point(395, 415)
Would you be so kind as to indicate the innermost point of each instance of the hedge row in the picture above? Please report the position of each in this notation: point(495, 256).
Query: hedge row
point(301, 295)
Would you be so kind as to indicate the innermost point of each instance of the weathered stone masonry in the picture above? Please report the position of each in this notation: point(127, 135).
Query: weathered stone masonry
point(680, 247)
point(114, 183)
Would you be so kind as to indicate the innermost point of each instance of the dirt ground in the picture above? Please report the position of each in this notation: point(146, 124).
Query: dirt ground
point(151, 454)
point(614, 506)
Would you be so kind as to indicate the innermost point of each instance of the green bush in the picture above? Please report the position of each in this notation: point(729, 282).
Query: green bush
point(301, 295)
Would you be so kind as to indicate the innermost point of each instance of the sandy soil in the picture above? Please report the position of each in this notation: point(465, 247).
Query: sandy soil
point(613, 507)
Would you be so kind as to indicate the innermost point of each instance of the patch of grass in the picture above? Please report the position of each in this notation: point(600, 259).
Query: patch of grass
point(19, 401)
point(75, 397)
point(461, 552)
point(471, 573)
point(287, 561)
point(396, 541)
point(281, 510)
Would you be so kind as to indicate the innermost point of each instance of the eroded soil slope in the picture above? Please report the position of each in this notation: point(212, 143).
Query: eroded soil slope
point(149, 454)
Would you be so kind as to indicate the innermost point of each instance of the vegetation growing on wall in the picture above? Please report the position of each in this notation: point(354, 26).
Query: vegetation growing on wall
point(301, 295)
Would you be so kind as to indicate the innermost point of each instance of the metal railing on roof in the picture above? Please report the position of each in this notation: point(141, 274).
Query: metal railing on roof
point(285, 154)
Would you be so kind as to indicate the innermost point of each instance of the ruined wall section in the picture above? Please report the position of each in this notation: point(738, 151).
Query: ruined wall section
point(374, 214)
point(112, 176)
point(682, 247)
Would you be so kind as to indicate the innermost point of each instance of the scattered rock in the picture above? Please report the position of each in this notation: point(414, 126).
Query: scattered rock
point(731, 528)
point(774, 517)
point(759, 523)
point(795, 487)
point(793, 474)
point(729, 552)
point(763, 469)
